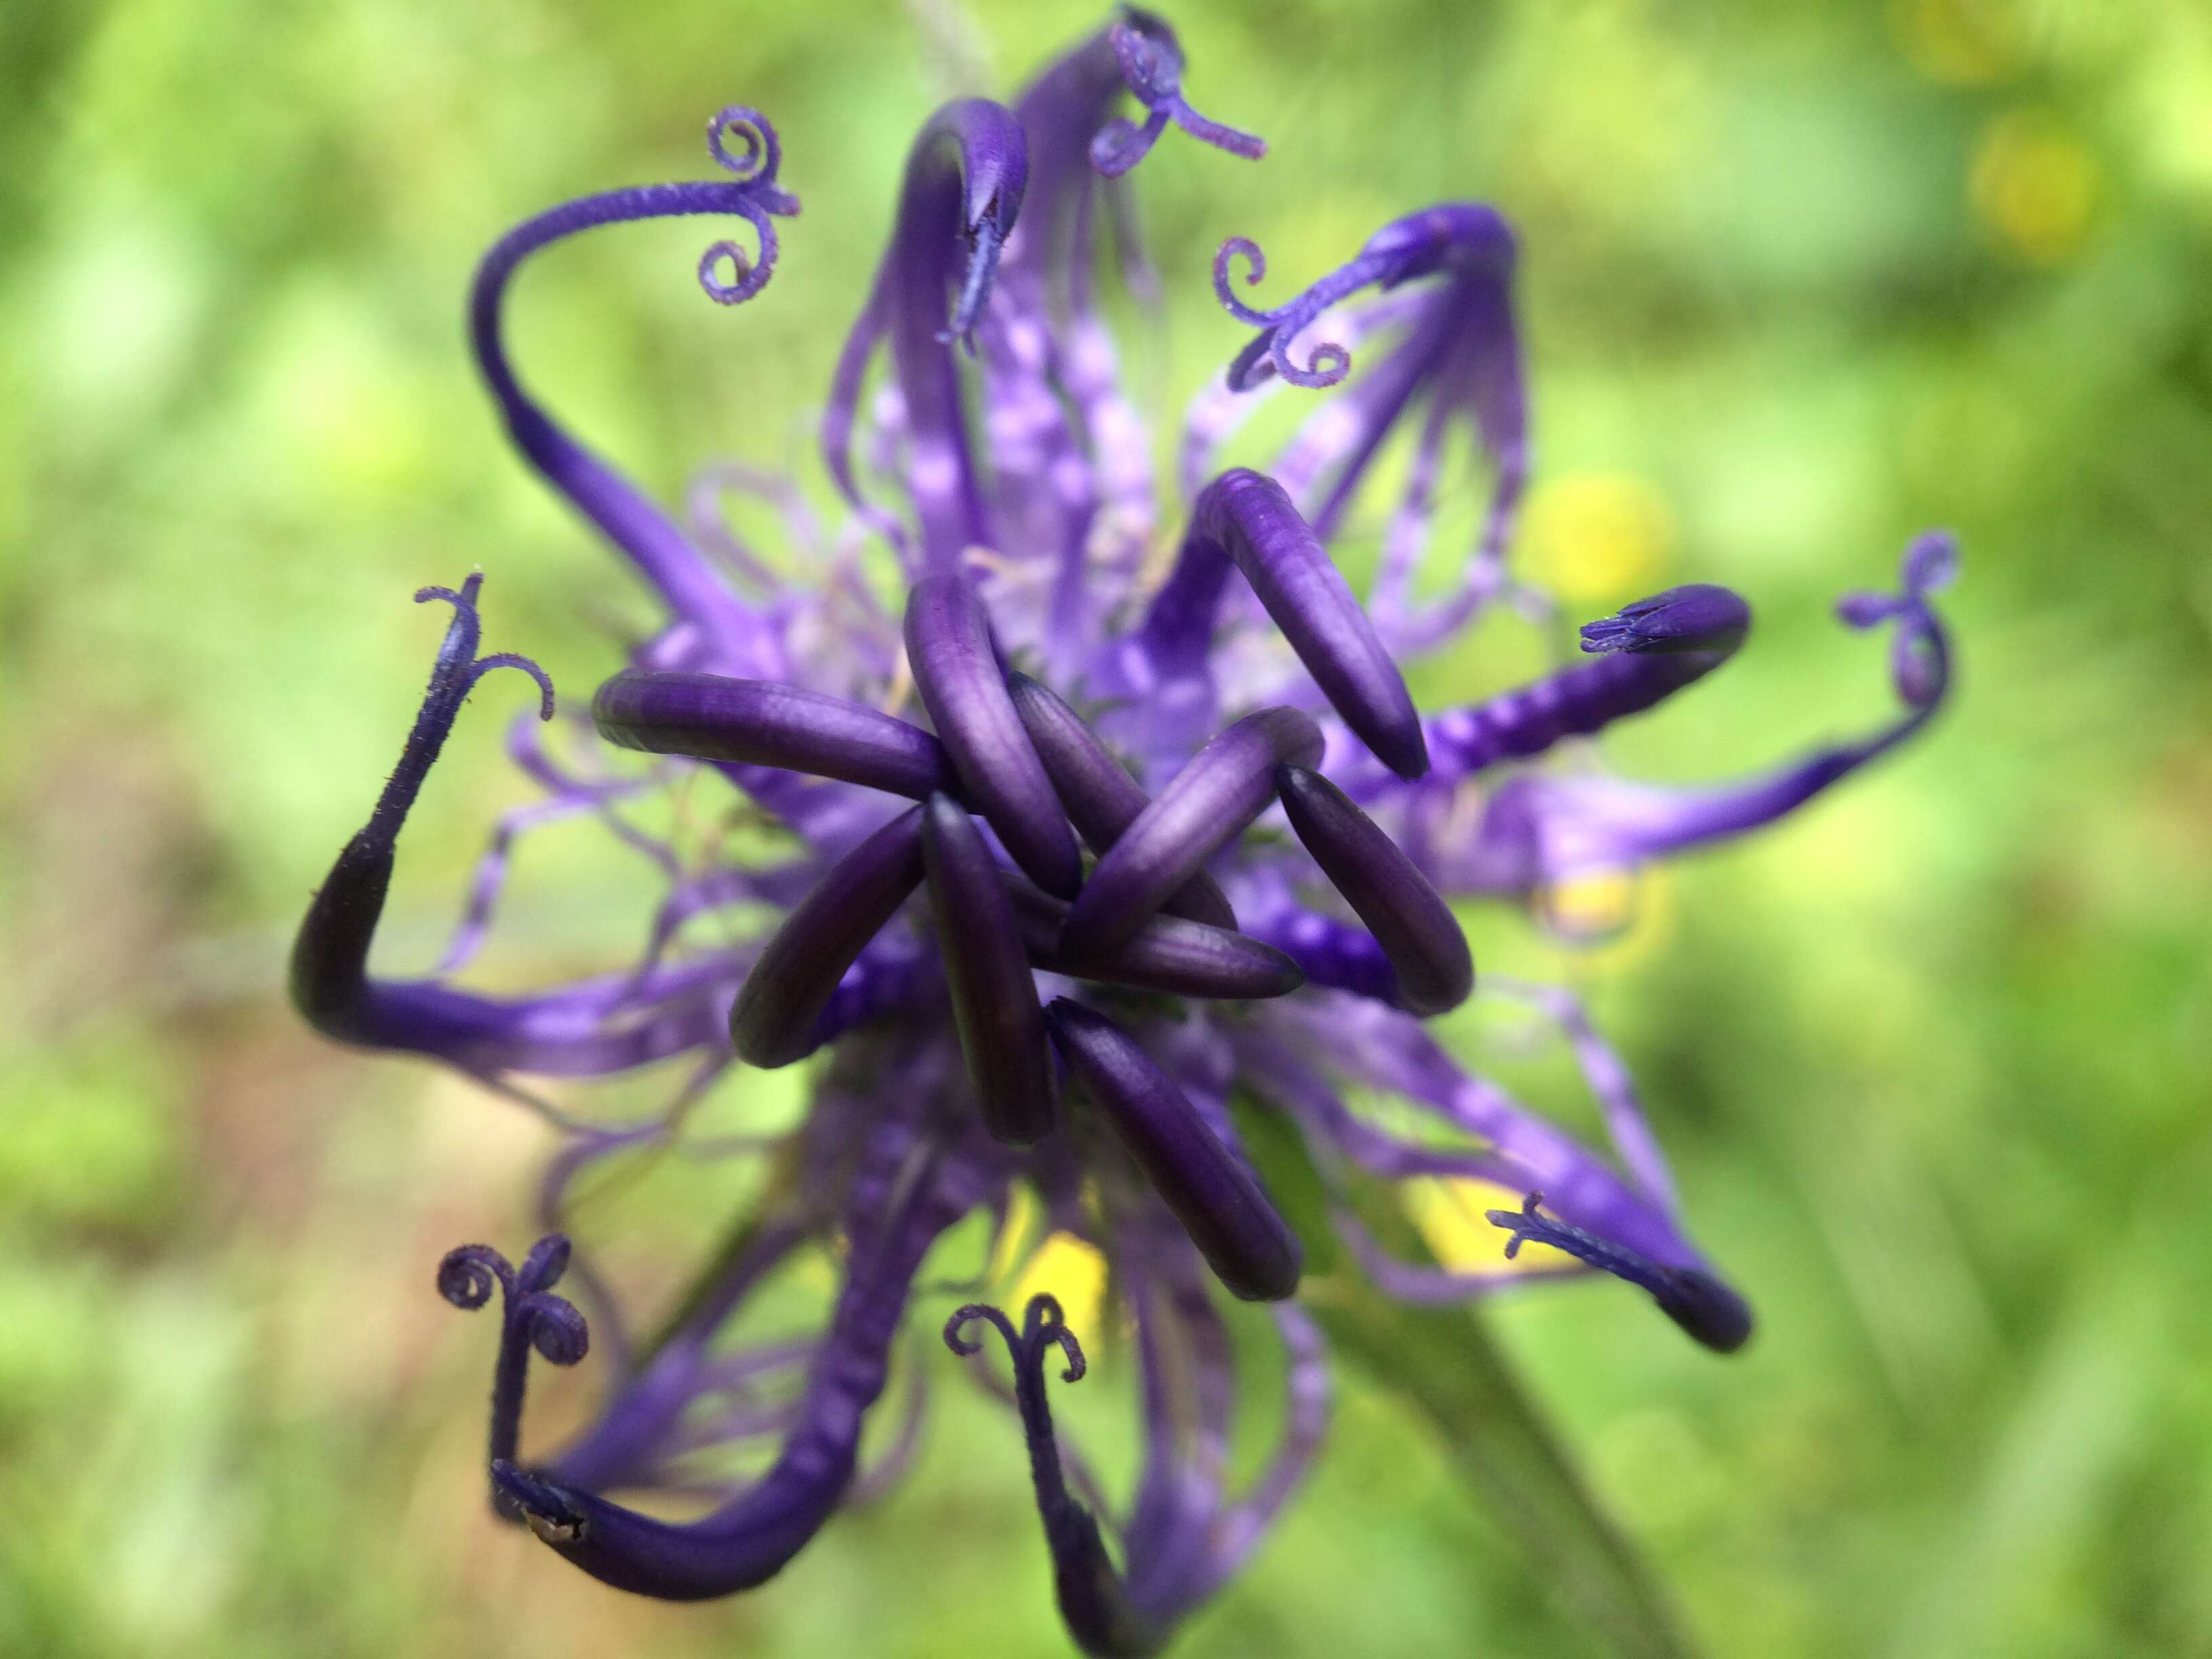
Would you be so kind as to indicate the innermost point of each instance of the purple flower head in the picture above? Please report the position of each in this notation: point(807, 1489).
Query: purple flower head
point(1087, 863)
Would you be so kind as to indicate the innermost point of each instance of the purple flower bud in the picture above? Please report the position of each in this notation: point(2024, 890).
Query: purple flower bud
point(773, 1022)
point(955, 669)
point(1649, 652)
point(1226, 785)
point(1245, 517)
point(1220, 1205)
point(993, 997)
point(767, 723)
point(1169, 954)
point(1700, 617)
point(1101, 798)
point(1414, 927)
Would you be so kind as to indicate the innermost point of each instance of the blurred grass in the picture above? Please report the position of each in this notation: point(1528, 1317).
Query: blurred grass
point(1934, 1060)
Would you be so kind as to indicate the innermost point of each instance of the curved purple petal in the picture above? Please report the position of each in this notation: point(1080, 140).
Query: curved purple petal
point(1101, 799)
point(1245, 517)
point(1228, 1218)
point(774, 1020)
point(956, 670)
point(767, 723)
point(1414, 927)
point(1227, 784)
point(661, 552)
point(993, 997)
point(1169, 954)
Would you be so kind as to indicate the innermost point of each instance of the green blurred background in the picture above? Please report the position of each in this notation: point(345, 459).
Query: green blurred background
point(1934, 1060)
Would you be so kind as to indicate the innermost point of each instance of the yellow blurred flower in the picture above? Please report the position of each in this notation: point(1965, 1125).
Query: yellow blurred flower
point(1960, 43)
point(1066, 1267)
point(1599, 534)
point(2034, 187)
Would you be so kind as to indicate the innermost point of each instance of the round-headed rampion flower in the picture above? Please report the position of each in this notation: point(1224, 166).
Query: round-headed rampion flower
point(1084, 846)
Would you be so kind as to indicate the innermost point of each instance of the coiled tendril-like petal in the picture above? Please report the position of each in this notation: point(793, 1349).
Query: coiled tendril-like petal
point(1093, 1598)
point(1152, 68)
point(533, 1317)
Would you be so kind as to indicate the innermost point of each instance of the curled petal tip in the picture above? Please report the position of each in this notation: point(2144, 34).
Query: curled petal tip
point(1931, 562)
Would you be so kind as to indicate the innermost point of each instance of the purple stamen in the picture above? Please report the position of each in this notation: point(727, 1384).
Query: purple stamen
point(1223, 1208)
point(1703, 1306)
point(1411, 923)
point(531, 1317)
point(1700, 618)
point(995, 1002)
point(1204, 806)
point(956, 670)
point(1466, 238)
point(1101, 799)
point(767, 723)
point(775, 1018)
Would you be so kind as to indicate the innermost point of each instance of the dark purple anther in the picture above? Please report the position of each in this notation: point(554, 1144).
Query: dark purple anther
point(1100, 797)
point(1245, 517)
point(994, 997)
point(1094, 1599)
point(773, 1022)
point(1411, 923)
point(1220, 1205)
point(1169, 954)
point(531, 1316)
point(1693, 1298)
point(956, 670)
point(1204, 806)
point(766, 723)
